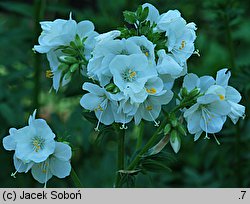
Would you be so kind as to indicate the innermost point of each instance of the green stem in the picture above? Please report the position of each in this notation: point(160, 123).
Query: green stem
point(147, 146)
point(153, 139)
point(75, 179)
point(39, 10)
point(140, 136)
point(120, 156)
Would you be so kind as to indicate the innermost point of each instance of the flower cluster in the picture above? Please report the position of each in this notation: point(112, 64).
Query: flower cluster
point(132, 77)
point(217, 101)
point(36, 149)
point(131, 72)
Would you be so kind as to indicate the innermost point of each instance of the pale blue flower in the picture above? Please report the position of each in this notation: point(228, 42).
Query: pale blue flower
point(232, 96)
point(130, 73)
point(146, 47)
point(153, 13)
point(167, 65)
point(57, 164)
point(99, 101)
point(208, 115)
point(98, 66)
point(61, 33)
point(34, 142)
point(150, 109)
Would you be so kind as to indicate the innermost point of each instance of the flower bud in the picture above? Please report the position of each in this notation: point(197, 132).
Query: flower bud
point(67, 59)
point(74, 67)
point(167, 129)
point(182, 130)
point(184, 92)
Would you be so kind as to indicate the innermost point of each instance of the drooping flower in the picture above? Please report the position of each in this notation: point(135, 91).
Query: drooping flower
point(61, 33)
point(232, 96)
point(99, 101)
point(150, 109)
point(57, 164)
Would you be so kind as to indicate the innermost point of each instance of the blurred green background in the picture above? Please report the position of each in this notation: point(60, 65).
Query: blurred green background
point(223, 41)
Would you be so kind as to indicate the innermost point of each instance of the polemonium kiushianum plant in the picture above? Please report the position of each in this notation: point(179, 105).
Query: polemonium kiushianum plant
point(129, 78)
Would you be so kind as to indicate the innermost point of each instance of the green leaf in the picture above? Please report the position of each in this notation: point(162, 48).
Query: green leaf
point(155, 166)
point(129, 17)
point(144, 14)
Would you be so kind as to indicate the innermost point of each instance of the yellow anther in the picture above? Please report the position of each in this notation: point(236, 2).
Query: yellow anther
point(151, 91)
point(183, 43)
point(132, 74)
point(49, 74)
point(221, 97)
point(149, 108)
point(147, 54)
point(44, 171)
point(36, 144)
point(98, 108)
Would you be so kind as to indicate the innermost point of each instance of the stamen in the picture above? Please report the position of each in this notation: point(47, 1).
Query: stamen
point(14, 174)
point(124, 127)
point(49, 74)
point(197, 52)
point(204, 117)
point(151, 91)
point(46, 171)
point(183, 43)
point(216, 139)
point(98, 124)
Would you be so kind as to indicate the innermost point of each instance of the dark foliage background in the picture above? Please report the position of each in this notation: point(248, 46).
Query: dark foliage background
point(223, 40)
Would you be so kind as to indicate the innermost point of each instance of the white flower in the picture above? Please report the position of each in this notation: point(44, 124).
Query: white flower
point(170, 20)
point(104, 53)
point(167, 65)
point(99, 101)
point(180, 35)
point(153, 13)
point(208, 115)
point(130, 73)
point(57, 164)
point(111, 35)
point(150, 109)
point(232, 96)
point(192, 81)
point(34, 142)
point(60, 33)
point(146, 46)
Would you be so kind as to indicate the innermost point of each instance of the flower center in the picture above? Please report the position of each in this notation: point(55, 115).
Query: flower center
point(129, 75)
point(38, 143)
point(124, 52)
point(149, 108)
point(221, 97)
